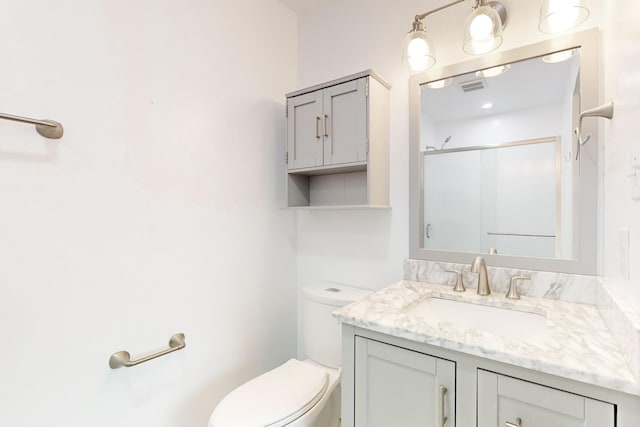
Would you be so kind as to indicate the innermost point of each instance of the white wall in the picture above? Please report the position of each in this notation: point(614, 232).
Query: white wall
point(158, 211)
point(361, 247)
point(622, 138)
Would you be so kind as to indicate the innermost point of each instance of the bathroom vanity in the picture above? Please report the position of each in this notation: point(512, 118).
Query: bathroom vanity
point(419, 354)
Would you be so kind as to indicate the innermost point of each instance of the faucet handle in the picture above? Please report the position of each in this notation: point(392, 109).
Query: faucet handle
point(513, 293)
point(459, 287)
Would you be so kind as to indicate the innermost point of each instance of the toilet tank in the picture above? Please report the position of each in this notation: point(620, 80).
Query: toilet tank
point(321, 333)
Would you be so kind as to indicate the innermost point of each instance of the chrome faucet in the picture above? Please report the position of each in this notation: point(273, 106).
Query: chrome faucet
point(480, 267)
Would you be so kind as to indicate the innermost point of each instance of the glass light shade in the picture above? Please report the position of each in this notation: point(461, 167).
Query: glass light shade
point(418, 51)
point(482, 31)
point(557, 16)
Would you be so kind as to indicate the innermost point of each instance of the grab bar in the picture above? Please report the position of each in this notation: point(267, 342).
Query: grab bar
point(47, 128)
point(123, 358)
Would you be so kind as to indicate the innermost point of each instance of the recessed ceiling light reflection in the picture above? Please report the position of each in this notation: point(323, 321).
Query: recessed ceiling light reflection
point(494, 71)
point(487, 105)
point(439, 84)
point(554, 58)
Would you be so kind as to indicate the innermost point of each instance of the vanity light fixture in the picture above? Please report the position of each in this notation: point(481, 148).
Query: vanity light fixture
point(558, 16)
point(494, 71)
point(482, 34)
point(418, 50)
point(483, 28)
point(440, 84)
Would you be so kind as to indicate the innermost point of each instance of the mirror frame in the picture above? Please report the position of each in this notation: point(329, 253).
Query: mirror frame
point(586, 261)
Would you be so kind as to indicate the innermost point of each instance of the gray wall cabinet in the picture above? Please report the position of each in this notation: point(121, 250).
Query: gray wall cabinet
point(338, 144)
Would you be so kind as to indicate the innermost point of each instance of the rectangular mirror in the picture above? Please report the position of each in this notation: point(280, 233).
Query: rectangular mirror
point(494, 170)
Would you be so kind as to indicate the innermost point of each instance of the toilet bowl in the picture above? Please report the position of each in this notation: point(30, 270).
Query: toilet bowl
point(297, 393)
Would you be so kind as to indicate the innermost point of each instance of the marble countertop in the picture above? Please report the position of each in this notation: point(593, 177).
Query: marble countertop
point(577, 344)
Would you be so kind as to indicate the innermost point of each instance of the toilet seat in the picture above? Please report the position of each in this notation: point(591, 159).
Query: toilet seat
point(273, 399)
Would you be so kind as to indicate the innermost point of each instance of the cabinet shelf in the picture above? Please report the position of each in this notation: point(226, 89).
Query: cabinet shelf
point(331, 169)
point(339, 207)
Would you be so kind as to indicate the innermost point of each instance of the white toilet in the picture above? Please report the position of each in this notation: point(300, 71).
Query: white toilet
point(297, 393)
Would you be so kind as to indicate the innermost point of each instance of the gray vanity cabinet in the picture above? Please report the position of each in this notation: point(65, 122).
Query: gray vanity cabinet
point(502, 401)
point(338, 143)
point(399, 387)
point(389, 381)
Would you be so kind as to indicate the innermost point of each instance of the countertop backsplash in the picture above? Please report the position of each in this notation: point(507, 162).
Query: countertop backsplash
point(543, 284)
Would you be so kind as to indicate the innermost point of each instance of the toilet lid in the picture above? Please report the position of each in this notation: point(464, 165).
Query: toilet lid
point(273, 399)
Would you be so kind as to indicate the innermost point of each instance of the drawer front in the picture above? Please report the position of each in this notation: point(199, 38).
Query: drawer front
point(504, 401)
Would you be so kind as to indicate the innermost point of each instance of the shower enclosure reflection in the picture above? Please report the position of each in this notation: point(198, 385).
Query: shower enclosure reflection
point(503, 198)
point(499, 172)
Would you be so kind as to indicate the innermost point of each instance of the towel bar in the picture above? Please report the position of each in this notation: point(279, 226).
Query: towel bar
point(47, 128)
point(520, 234)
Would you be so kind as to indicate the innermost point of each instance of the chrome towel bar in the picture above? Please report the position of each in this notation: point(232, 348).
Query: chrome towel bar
point(123, 358)
point(520, 234)
point(47, 128)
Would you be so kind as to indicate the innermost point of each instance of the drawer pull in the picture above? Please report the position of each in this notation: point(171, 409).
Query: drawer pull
point(326, 127)
point(517, 424)
point(443, 392)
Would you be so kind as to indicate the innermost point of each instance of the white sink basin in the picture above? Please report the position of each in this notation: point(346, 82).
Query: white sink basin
point(500, 321)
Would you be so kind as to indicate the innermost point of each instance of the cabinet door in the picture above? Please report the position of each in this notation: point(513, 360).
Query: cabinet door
point(502, 400)
point(304, 131)
point(345, 123)
point(396, 387)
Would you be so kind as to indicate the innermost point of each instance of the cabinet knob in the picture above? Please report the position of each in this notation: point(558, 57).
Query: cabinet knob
point(517, 424)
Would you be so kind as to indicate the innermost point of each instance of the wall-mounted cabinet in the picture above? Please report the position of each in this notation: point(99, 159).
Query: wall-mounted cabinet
point(338, 144)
